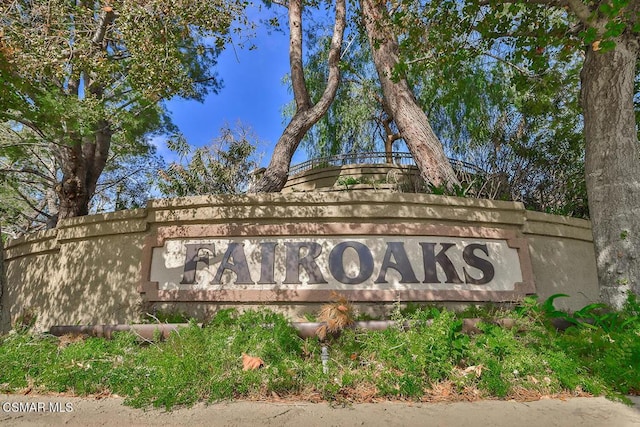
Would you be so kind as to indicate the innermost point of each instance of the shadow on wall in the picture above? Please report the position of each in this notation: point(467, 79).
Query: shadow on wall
point(563, 266)
point(90, 274)
point(84, 281)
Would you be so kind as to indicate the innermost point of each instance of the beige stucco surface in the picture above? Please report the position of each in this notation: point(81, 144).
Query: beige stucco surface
point(338, 178)
point(88, 271)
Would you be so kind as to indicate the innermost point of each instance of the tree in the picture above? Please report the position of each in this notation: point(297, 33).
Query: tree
point(30, 170)
point(347, 126)
point(398, 99)
point(610, 32)
point(522, 128)
point(81, 74)
point(224, 167)
point(612, 163)
point(307, 112)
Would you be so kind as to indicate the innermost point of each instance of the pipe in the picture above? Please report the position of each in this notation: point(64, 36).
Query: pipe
point(305, 329)
point(147, 331)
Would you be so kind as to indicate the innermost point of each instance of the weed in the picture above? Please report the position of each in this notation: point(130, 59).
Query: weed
point(169, 317)
point(432, 356)
point(26, 320)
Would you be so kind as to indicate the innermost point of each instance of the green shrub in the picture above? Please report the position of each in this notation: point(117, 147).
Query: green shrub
point(205, 363)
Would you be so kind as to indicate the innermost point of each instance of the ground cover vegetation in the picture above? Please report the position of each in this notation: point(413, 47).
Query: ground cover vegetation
point(428, 358)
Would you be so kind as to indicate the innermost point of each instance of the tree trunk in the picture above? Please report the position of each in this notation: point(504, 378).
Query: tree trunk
point(399, 101)
point(306, 115)
point(390, 138)
point(82, 163)
point(277, 173)
point(612, 167)
point(84, 159)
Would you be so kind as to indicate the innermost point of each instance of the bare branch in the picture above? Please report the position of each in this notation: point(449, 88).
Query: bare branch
point(110, 184)
point(30, 171)
point(26, 123)
point(333, 79)
point(510, 64)
point(28, 202)
point(48, 167)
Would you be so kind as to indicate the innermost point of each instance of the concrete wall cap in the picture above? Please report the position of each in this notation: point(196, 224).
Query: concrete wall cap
point(31, 238)
point(557, 219)
point(324, 198)
point(103, 217)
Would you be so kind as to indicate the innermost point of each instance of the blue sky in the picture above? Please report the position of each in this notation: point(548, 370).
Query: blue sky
point(253, 92)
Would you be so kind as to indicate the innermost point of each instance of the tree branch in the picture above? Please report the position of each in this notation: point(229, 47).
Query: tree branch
point(106, 18)
point(103, 186)
point(28, 202)
point(28, 171)
point(333, 79)
point(581, 10)
point(26, 123)
point(300, 92)
point(283, 3)
point(510, 64)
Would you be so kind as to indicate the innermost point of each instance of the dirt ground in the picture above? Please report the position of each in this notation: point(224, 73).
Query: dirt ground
point(18, 410)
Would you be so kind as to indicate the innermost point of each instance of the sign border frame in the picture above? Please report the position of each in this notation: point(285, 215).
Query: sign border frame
point(151, 293)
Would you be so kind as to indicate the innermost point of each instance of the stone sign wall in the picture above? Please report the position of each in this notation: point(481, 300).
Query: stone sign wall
point(291, 250)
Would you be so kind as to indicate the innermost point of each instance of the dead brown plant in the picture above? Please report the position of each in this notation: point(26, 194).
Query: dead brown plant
point(335, 316)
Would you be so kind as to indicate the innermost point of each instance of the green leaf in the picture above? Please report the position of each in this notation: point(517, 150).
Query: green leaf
point(606, 9)
point(607, 45)
point(589, 36)
point(614, 29)
point(547, 305)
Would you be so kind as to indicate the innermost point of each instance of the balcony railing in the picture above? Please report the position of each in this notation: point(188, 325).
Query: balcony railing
point(399, 158)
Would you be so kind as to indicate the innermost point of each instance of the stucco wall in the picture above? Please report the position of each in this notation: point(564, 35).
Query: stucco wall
point(334, 178)
point(90, 270)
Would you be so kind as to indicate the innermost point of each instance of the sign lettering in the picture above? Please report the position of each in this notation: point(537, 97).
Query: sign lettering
point(371, 262)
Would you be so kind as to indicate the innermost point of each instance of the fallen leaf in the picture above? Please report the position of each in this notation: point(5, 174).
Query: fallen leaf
point(250, 363)
point(476, 370)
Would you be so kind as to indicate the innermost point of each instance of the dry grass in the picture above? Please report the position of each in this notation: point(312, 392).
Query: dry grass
point(336, 316)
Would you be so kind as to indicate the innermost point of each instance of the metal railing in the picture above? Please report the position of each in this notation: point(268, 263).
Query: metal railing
point(399, 158)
